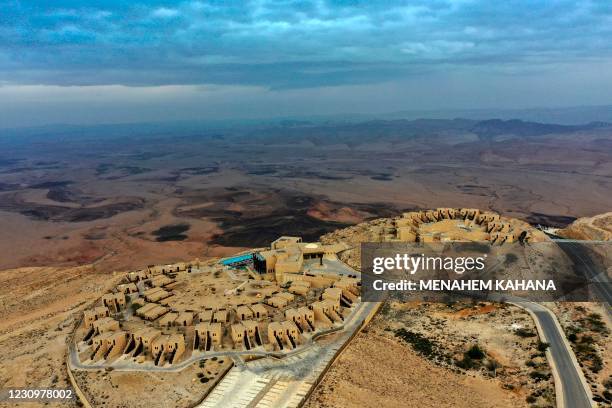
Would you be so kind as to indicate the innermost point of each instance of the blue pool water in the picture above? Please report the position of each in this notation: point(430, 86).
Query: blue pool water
point(237, 259)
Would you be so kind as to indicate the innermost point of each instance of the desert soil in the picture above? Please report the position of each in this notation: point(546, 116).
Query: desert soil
point(378, 370)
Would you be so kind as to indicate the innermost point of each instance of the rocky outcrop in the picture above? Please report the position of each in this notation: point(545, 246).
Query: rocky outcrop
point(597, 228)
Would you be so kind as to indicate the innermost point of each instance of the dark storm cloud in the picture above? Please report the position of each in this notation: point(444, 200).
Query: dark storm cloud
point(293, 44)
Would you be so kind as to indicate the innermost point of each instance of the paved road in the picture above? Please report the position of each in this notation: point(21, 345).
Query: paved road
point(572, 387)
point(570, 376)
point(586, 266)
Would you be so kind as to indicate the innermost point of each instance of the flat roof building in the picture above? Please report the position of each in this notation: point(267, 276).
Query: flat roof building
point(259, 311)
point(208, 335)
point(244, 312)
point(220, 316)
point(277, 301)
point(167, 320)
point(184, 319)
point(127, 288)
point(105, 324)
point(144, 340)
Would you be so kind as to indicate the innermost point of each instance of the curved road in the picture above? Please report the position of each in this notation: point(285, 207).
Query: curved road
point(591, 269)
point(570, 377)
point(574, 389)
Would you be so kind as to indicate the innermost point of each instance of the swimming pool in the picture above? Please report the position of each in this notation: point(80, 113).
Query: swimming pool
point(237, 259)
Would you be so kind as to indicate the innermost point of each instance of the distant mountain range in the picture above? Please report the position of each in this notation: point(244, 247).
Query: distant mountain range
point(379, 130)
point(280, 131)
point(575, 115)
point(496, 127)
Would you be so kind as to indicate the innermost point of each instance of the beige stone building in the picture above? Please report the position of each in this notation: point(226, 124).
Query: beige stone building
point(184, 319)
point(143, 339)
point(104, 325)
point(114, 301)
point(137, 276)
point(155, 294)
point(127, 288)
point(208, 335)
point(244, 312)
point(151, 311)
point(300, 287)
point(89, 316)
point(284, 335)
point(326, 312)
point(206, 315)
point(221, 316)
point(259, 311)
point(277, 301)
point(465, 224)
point(160, 280)
point(287, 256)
point(174, 347)
point(167, 320)
point(303, 317)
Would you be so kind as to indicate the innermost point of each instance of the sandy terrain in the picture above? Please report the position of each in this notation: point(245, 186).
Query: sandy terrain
point(153, 389)
point(378, 370)
point(38, 310)
point(75, 209)
point(84, 197)
point(598, 227)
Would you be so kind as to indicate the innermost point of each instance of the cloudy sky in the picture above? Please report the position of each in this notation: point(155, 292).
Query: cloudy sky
point(124, 61)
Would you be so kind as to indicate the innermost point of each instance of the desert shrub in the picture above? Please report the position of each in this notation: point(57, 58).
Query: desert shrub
point(472, 358)
point(510, 259)
point(586, 339)
point(419, 343)
point(596, 324)
point(466, 363)
point(475, 352)
point(538, 376)
point(594, 317)
point(385, 309)
point(596, 363)
point(572, 337)
point(531, 399)
point(542, 346)
point(523, 332)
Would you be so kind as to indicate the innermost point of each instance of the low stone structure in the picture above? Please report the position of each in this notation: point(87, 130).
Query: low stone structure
point(145, 319)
